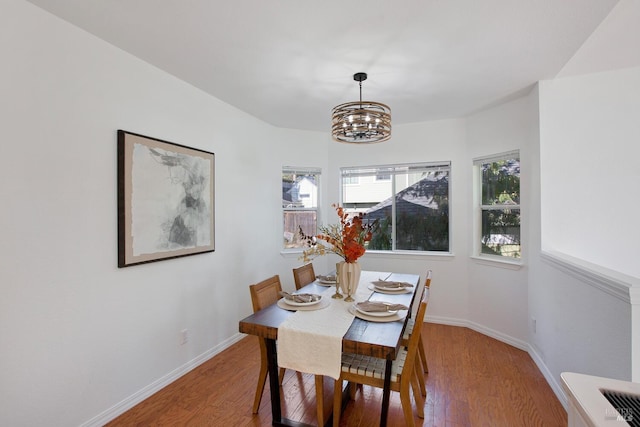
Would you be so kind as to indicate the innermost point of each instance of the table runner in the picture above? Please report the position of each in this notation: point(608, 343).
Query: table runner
point(311, 341)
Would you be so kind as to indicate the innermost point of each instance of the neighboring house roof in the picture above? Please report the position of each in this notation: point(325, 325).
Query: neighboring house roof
point(418, 196)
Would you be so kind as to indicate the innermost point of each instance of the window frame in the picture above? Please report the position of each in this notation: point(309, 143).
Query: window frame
point(300, 171)
point(394, 170)
point(479, 209)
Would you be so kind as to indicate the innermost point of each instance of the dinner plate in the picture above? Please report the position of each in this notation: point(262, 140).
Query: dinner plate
point(302, 304)
point(390, 292)
point(326, 281)
point(394, 318)
point(324, 303)
point(376, 313)
point(379, 284)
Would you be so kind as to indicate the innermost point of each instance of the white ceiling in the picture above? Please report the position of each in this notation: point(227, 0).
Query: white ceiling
point(288, 62)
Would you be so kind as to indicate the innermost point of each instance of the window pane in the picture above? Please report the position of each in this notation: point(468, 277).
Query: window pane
point(295, 219)
point(501, 182)
point(373, 197)
point(501, 232)
point(422, 211)
point(412, 208)
point(299, 205)
point(299, 191)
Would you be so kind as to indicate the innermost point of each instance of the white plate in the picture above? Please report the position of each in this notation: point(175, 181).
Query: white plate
point(391, 292)
point(302, 304)
point(376, 313)
point(326, 281)
point(396, 317)
point(379, 284)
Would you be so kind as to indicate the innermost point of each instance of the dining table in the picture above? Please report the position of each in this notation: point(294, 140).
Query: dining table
point(365, 335)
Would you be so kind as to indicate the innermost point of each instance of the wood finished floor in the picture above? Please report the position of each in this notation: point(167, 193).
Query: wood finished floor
point(473, 380)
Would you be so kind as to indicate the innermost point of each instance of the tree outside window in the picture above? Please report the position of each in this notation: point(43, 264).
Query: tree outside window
point(499, 205)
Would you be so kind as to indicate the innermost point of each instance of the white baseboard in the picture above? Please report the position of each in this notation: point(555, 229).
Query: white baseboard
point(557, 389)
point(131, 401)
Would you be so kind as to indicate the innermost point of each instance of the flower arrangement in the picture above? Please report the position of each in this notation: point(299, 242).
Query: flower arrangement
point(346, 239)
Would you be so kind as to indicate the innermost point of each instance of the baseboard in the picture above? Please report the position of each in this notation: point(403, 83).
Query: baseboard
point(131, 401)
point(557, 389)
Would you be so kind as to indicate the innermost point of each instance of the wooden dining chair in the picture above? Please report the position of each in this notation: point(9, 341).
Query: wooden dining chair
point(369, 370)
point(264, 294)
point(303, 275)
point(421, 358)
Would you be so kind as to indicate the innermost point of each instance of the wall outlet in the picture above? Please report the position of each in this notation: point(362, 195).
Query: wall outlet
point(534, 326)
point(184, 336)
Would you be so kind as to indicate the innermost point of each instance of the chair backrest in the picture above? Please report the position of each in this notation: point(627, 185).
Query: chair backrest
point(265, 293)
point(303, 275)
point(426, 284)
point(414, 339)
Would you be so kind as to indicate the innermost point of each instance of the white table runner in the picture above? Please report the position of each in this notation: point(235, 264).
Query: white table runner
point(311, 341)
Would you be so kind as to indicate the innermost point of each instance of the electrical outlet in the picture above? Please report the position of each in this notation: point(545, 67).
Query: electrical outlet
point(534, 326)
point(184, 336)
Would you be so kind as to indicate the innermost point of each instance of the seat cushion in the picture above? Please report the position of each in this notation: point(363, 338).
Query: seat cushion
point(372, 366)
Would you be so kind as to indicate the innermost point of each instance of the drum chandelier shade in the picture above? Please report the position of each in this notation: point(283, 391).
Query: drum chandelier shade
point(361, 122)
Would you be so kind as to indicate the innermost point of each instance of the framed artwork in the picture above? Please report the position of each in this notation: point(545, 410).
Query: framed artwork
point(165, 200)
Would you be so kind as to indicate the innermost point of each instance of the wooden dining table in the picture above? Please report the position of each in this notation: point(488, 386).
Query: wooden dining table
point(376, 339)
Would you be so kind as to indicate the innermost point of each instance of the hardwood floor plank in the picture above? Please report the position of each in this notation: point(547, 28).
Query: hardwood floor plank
point(473, 381)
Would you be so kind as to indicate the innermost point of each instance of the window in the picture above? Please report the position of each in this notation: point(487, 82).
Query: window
point(299, 204)
point(498, 205)
point(350, 180)
point(411, 205)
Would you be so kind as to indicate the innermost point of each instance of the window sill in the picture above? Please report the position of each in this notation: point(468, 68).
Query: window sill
point(497, 262)
point(409, 254)
point(291, 253)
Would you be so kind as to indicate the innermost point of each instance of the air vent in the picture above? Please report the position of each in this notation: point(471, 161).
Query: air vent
point(627, 406)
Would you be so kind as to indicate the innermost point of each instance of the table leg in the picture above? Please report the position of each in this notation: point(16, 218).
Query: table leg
point(272, 360)
point(386, 392)
point(274, 387)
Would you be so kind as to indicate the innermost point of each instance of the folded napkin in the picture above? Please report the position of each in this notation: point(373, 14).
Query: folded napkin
point(392, 285)
point(375, 306)
point(300, 297)
point(328, 278)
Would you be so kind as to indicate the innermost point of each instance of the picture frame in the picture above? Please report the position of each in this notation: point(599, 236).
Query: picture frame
point(165, 200)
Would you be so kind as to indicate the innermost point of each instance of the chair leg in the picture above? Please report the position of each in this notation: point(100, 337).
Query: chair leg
point(262, 379)
point(353, 387)
point(281, 375)
point(337, 402)
point(320, 399)
point(423, 357)
point(405, 399)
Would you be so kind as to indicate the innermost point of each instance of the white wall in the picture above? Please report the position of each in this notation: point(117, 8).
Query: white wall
point(77, 334)
point(498, 292)
point(588, 149)
point(589, 152)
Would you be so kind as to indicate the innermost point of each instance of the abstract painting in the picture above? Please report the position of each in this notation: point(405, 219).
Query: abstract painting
point(165, 200)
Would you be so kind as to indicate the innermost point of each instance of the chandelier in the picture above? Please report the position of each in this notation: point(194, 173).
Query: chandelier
point(361, 122)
